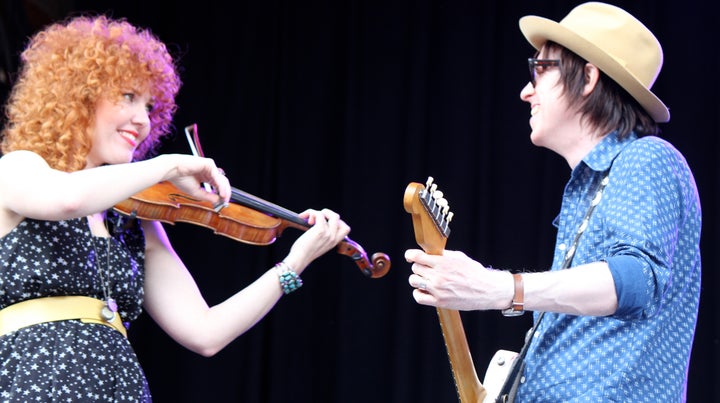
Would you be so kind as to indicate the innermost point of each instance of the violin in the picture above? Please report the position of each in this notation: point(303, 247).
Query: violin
point(247, 218)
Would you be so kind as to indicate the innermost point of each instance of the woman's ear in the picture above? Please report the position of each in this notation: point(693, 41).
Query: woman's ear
point(592, 75)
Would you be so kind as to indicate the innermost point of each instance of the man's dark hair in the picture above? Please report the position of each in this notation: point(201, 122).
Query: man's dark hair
point(609, 107)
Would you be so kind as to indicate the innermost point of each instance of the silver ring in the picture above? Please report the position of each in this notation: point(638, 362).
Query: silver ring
point(422, 286)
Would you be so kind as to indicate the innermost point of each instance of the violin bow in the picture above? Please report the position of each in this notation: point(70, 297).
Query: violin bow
point(194, 141)
point(375, 267)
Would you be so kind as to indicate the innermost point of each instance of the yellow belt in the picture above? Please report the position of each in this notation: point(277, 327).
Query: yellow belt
point(51, 309)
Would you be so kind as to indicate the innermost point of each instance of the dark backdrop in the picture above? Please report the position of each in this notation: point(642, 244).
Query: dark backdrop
point(341, 104)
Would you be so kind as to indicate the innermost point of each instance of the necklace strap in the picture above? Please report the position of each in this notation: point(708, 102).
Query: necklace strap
point(519, 363)
point(570, 254)
point(584, 223)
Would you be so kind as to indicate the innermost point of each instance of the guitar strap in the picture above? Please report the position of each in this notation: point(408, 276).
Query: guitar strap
point(509, 388)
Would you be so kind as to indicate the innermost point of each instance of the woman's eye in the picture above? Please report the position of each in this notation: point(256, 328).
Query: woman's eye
point(129, 96)
point(149, 107)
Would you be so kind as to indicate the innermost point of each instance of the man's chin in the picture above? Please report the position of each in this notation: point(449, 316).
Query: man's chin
point(536, 140)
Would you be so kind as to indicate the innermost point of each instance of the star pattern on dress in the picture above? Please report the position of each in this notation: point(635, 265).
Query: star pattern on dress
point(70, 361)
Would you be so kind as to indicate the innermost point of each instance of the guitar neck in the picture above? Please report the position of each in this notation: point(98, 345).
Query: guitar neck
point(468, 385)
point(430, 217)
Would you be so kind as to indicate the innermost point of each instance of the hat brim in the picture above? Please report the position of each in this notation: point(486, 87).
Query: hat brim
point(538, 30)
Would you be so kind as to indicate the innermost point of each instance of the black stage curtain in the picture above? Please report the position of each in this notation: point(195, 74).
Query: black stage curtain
point(342, 104)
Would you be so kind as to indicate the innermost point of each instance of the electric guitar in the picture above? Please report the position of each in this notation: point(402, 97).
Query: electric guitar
point(431, 218)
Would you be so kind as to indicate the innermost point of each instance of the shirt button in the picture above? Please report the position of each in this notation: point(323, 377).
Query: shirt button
point(522, 379)
point(562, 246)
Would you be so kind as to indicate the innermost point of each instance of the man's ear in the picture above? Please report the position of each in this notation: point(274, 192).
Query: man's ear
point(592, 75)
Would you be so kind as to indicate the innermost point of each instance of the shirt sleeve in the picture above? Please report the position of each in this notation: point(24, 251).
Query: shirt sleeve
point(629, 285)
point(645, 213)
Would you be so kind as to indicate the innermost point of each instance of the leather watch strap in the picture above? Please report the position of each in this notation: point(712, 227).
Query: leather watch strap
point(518, 303)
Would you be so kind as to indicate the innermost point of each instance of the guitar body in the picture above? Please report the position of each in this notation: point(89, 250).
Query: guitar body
point(497, 373)
point(430, 219)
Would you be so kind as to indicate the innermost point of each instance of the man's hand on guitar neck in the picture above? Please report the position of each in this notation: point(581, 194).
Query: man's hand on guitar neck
point(454, 281)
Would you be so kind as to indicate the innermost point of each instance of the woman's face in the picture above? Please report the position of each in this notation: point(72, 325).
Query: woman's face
point(119, 127)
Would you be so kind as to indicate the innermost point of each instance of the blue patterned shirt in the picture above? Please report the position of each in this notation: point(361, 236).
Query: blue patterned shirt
point(647, 228)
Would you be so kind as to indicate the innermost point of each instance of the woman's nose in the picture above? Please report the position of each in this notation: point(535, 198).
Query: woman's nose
point(141, 116)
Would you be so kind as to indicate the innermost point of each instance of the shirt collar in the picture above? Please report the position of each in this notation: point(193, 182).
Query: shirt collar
point(600, 158)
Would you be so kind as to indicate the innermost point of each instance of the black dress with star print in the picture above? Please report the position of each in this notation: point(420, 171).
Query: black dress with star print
point(69, 361)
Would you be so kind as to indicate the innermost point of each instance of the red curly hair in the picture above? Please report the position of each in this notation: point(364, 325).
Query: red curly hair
point(67, 68)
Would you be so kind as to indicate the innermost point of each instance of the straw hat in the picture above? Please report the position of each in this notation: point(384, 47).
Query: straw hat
point(611, 39)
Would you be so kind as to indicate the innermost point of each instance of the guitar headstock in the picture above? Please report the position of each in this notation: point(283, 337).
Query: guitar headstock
point(430, 213)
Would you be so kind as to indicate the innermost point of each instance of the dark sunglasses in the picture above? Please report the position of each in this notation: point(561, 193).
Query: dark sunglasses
point(538, 66)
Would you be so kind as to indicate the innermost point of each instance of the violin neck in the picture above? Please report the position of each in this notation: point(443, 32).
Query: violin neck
point(246, 199)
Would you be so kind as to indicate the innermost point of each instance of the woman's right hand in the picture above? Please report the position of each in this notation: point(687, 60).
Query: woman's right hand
point(189, 173)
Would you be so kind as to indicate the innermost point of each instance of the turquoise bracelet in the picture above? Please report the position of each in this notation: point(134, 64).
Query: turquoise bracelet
point(289, 280)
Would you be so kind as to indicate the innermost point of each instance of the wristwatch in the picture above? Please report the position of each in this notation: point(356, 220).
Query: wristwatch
point(518, 305)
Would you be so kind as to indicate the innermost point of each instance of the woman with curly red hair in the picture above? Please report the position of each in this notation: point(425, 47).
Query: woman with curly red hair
point(92, 100)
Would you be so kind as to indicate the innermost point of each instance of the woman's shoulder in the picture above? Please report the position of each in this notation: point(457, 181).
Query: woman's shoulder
point(19, 158)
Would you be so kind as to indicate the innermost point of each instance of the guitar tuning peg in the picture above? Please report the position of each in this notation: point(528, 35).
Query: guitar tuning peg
point(438, 194)
point(449, 216)
point(441, 202)
point(433, 188)
point(429, 181)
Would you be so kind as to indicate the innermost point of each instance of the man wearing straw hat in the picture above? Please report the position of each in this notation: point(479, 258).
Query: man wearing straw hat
point(615, 316)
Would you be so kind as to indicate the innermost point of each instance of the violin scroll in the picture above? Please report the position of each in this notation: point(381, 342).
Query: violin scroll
point(379, 266)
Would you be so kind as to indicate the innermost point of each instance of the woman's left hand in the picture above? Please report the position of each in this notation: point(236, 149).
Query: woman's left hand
point(326, 232)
